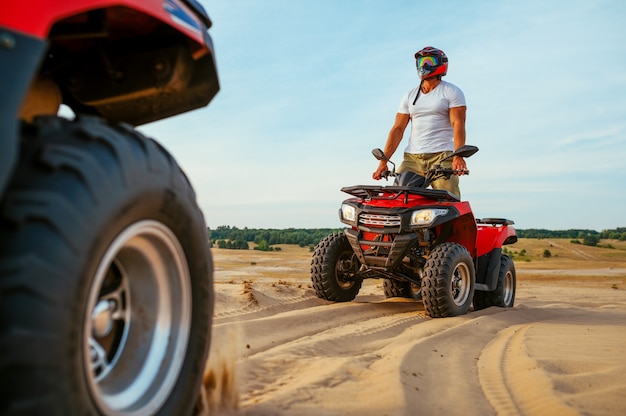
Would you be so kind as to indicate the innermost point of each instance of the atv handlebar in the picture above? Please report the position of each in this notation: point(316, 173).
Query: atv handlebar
point(447, 172)
point(433, 173)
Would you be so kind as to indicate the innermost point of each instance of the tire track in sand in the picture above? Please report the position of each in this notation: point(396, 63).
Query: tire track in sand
point(328, 347)
point(386, 357)
point(345, 353)
point(512, 381)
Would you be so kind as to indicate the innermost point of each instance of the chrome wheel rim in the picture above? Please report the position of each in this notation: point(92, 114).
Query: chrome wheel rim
point(460, 284)
point(344, 270)
point(138, 320)
point(508, 288)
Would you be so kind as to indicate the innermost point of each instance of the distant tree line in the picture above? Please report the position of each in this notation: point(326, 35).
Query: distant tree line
point(226, 236)
point(232, 244)
point(615, 234)
point(229, 237)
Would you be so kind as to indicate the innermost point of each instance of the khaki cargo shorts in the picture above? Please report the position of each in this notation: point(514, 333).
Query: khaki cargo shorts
point(420, 163)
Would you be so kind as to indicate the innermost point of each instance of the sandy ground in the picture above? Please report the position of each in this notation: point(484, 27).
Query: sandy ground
point(279, 350)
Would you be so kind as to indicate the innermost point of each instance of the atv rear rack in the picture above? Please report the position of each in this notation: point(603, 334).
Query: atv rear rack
point(495, 221)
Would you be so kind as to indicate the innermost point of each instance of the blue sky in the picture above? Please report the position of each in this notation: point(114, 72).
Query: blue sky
point(308, 88)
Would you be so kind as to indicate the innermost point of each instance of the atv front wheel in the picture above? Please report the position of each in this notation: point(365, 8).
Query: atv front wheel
point(333, 269)
point(448, 281)
point(504, 294)
point(105, 276)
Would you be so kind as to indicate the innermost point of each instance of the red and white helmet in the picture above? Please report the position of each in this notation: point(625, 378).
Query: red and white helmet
point(431, 62)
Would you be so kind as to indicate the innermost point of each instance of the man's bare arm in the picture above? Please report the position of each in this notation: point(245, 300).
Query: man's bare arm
point(393, 141)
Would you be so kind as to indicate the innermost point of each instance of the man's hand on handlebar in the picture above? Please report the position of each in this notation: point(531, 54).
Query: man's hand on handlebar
point(381, 172)
point(458, 166)
point(439, 171)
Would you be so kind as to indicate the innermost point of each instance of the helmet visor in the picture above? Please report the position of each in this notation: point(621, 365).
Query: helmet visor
point(427, 61)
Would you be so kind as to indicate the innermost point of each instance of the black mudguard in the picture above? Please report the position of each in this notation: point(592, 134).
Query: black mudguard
point(20, 56)
point(488, 270)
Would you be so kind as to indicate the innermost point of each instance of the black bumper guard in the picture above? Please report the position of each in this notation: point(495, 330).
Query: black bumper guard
point(398, 249)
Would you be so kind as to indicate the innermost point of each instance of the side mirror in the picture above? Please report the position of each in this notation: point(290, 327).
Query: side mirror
point(464, 151)
point(380, 155)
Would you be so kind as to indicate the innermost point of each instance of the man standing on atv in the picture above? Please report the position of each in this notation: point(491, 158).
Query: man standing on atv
point(437, 112)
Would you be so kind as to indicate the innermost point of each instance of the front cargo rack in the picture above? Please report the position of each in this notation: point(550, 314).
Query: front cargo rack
point(382, 192)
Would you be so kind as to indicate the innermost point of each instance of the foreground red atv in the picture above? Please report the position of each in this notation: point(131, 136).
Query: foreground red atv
point(424, 243)
point(106, 292)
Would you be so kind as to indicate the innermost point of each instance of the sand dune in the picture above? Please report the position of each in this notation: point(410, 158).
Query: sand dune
point(279, 350)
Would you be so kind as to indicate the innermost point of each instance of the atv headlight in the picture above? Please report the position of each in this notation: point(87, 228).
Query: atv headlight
point(348, 213)
point(427, 216)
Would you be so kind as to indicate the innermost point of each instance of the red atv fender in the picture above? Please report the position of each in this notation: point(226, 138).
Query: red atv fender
point(28, 28)
point(462, 229)
point(36, 17)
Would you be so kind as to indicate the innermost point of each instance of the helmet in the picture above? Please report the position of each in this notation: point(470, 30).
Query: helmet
point(431, 62)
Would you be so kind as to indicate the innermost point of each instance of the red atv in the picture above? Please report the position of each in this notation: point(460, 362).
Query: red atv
point(106, 293)
point(425, 244)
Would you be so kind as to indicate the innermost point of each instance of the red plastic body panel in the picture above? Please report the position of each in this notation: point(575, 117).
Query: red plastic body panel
point(463, 227)
point(413, 201)
point(36, 17)
point(479, 239)
point(463, 232)
point(492, 236)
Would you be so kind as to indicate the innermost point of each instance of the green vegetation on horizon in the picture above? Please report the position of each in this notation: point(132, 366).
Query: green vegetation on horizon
point(614, 234)
point(226, 236)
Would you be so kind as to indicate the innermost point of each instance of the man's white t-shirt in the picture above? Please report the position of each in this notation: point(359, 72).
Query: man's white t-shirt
point(431, 131)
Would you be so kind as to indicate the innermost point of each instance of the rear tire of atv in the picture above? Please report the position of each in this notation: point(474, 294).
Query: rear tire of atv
point(504, 294)
point(333, 269)
point(401, 289)
point(448, 281)
point(105, 276)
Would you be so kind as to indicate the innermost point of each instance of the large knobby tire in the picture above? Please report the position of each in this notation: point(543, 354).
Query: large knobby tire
point(333, 269)
point(448, 281)
point(504, 294)
point(401, 289)
point(106, 292)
